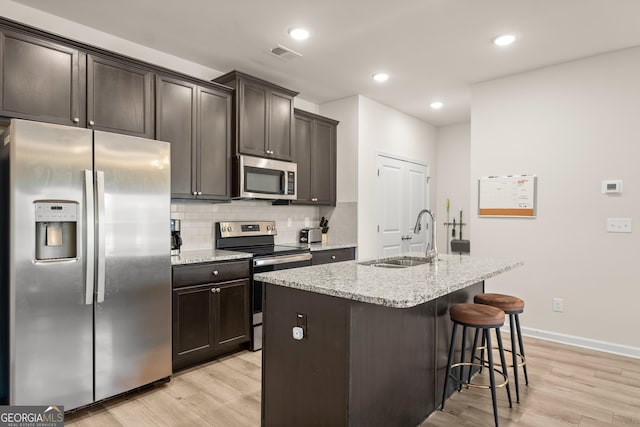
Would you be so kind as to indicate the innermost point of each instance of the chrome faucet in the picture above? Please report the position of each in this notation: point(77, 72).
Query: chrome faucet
point(432, 251)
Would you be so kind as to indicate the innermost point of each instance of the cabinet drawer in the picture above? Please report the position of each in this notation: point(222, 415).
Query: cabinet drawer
point(333, 255)
point(189, 275)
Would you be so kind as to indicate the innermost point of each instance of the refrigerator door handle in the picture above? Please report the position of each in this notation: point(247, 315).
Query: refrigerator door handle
point(89, 242)
point(101, 238)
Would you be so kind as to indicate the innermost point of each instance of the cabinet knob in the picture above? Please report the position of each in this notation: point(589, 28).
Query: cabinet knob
point(195, 193)
point(314, 199)
point(91, 123)
point(215, 290)
point(333, 257)
point(76, 120)
point(214, 272)
point(199, 193)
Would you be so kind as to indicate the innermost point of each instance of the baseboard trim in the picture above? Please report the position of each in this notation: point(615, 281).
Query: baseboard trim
point(607, 347)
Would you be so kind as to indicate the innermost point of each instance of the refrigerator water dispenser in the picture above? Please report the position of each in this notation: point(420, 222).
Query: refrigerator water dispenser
point(56, 230)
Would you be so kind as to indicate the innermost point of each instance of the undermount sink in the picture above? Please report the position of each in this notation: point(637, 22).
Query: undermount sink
point(397, 262)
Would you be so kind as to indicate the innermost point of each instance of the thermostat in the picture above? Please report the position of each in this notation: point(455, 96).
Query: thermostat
point(612, 187)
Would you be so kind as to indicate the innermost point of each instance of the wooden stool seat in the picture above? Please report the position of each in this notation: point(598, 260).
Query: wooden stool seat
point(513, 307)
point(507, 303)
point(477, 315)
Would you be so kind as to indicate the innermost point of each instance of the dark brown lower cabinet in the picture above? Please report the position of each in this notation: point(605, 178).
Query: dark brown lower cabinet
point(333, 255)
point(359, 365)
point(209, 319)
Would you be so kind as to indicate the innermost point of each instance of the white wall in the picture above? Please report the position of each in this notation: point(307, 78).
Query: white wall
point(454, 150)
point(346, 111)
point(572, 125)
point(384, 130)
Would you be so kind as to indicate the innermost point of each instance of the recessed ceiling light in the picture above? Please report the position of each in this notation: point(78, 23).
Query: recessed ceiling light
point(436, 105)
point(504, 40)
point(381, 77)
point(299, 33)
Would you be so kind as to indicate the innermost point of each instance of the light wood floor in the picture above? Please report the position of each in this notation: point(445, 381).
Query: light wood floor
point(568, 386)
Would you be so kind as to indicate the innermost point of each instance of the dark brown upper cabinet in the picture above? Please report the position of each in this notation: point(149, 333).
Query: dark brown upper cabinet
point(196, 120)
point(41, 80)
point(119, 97)
point(315, 154)
point(263, 116)
point(47, 81)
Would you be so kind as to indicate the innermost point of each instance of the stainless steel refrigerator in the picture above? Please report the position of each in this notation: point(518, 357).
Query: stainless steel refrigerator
point(85, 260)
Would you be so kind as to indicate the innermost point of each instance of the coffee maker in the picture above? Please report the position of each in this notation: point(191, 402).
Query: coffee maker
point(176, 240)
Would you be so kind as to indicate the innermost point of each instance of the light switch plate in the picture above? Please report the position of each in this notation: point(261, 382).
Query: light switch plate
point(619, 225)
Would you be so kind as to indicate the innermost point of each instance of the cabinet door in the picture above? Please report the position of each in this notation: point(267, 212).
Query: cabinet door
point(40, 80)
point(280, 126)
point(176, 123)
point(303, 134)
point(193, 332)
point(323, 164)
point(119, 97)
point(232, 314)
point(214, 139)
point(252, 124)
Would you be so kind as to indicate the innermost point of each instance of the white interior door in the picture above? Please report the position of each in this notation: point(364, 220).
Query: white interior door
point(402, 190)
point(417, 194)
point(391, 216)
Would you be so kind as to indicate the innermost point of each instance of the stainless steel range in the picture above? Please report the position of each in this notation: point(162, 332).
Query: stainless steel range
point(258, 238)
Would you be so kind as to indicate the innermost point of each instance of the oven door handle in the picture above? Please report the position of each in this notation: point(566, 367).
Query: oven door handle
point(259, 262)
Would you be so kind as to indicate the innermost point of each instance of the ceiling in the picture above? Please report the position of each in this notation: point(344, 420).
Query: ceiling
point(432, 49)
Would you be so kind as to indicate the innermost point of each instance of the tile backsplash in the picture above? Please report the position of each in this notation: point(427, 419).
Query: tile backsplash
point(198, 220)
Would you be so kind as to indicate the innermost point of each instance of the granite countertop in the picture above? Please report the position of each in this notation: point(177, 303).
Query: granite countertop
point(209, 255)
point(391, 287)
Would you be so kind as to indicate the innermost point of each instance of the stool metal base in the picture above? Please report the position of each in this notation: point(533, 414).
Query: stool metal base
point(468, 383)
point(486, 337)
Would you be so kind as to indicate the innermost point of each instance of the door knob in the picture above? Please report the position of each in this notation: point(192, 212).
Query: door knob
point(91, 123)
point(76, 120)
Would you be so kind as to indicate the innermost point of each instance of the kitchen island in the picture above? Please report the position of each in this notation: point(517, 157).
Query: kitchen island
point(375, 339)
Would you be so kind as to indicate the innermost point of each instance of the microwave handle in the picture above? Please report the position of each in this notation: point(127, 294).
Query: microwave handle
point(285, 182)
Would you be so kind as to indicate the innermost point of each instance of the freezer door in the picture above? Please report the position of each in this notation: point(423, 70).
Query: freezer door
point(133, 287)
point(51, 326)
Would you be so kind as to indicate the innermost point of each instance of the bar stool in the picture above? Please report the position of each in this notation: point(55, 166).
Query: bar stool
point(511, 306)
point(482, 318)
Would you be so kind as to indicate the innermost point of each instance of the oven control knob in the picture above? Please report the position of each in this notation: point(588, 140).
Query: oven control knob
point(274, 229)
point(268, 228)
point(229, 229)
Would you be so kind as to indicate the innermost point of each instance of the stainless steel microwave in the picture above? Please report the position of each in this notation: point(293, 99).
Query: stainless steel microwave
point(266, 178)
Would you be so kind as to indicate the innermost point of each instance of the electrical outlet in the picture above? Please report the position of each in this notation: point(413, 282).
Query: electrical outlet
point(558, 305)
point(289, 222)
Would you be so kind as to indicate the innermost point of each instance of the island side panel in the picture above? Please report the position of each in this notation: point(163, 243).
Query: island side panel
point(392, 364)
point(304, 382)
point(444, 326)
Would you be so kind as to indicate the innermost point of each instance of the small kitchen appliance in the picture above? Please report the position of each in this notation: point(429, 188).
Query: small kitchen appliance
point(311, 235)
point(176, 239)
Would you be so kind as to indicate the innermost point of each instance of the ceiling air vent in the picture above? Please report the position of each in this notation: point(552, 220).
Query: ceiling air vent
point(284, 53)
